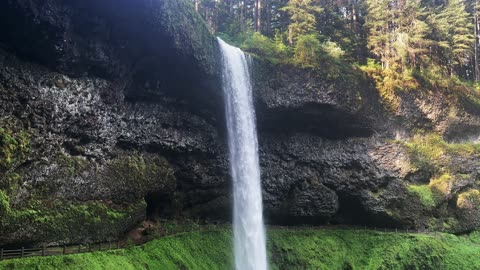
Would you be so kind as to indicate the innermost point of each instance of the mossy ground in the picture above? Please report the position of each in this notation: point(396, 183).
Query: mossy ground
point(299, 249)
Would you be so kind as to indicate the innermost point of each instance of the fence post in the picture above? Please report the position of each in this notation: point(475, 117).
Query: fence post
point(118, 244)
point(64, 250)
point(23, 252)
point(109, 245)
point(79, 248)
point(43, 250)
point(89, 247)
point(1, 254)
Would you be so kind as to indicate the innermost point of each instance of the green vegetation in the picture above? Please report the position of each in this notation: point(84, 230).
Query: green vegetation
point(469, 199)
point(430, 151)
point(189, 32)
point(66, 220)
point(299, 249)
point(424, 192)
point(131, 176)
point(14, 147)
point(435, 192)
point(401, 46)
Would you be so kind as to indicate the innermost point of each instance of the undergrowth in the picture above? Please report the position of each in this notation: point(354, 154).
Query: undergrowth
point(299, 249)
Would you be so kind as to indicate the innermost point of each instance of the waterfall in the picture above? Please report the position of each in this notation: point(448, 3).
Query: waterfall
point(248, 228)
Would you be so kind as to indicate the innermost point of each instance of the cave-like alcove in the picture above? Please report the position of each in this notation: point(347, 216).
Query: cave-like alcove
point(159, 205)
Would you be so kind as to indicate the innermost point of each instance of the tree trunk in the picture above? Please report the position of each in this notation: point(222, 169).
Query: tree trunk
point(290, 36)
point(197, 2)
point(268, 17)
point(258, 15)
point(475, 32)
point(244, 14)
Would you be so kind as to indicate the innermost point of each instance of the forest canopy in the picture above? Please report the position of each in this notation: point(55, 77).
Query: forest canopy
point(399, 43)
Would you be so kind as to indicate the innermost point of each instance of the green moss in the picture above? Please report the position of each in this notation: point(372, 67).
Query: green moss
point(190, 33)
point(469, 199)
point(14, 147)
point(450, 223)
point(430, 148)
point(69, 221)
point(425, 194)
point(426, 151)
point(133, 176)
point(299, 249)
point(71, 165)
point(442, 186)
point(430, 153)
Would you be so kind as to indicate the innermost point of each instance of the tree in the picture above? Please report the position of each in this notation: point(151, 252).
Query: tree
point(411, 44)
point(302, 18)
point(453, 25)
point(379, 32)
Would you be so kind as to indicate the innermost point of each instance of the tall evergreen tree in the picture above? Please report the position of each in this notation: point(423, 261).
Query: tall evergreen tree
point(379, 29)
point(302, 17)
point(454, 26)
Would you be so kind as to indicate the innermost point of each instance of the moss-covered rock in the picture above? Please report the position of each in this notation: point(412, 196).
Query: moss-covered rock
point(14, 148)
point(46, 206)
point(190, 34)
point(61, 221)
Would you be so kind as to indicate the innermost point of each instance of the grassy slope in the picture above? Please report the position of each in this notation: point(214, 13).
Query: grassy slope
point(306, 249)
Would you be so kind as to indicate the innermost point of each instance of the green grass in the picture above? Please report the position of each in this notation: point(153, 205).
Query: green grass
point(302, 249)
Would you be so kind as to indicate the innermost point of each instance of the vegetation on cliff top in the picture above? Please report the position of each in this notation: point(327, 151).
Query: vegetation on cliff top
point(402, 46)
point(299, 249)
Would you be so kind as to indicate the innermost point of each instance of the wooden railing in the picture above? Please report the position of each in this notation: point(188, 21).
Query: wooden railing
point(74, 249)
point(58, 250)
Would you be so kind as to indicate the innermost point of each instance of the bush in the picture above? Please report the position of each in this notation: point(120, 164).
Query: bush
point(273, 50)
point(307, 51)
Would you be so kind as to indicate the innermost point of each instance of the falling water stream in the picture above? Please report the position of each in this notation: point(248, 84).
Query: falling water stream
point(248, 228)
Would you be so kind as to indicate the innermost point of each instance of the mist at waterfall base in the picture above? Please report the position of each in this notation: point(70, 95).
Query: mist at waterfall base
point(248, 227)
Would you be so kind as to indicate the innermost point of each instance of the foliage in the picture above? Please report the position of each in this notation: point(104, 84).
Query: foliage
point(66, 220)
point(302, 16)
point(424, 192)
point(307, 51)
point(442, 185)
point(469, 199)
point(273, 50)
point(298, 249)
point(14, 147)
point(453, 29)
point(388, 82)
point(429, 150)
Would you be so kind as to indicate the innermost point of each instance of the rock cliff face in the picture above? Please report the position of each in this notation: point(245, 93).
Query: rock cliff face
point(111, 112)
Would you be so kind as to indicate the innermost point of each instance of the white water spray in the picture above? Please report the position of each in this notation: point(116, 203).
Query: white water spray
point(248, 228)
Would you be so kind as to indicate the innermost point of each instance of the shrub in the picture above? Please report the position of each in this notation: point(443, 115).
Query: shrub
point(469, 199)
point(307, 50)
point(273, 50)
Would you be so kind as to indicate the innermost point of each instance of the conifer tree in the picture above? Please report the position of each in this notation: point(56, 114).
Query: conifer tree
point(302, 18)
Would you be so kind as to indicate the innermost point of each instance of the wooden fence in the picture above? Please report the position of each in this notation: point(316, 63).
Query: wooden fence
point(58, 250)
point(74, 249)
